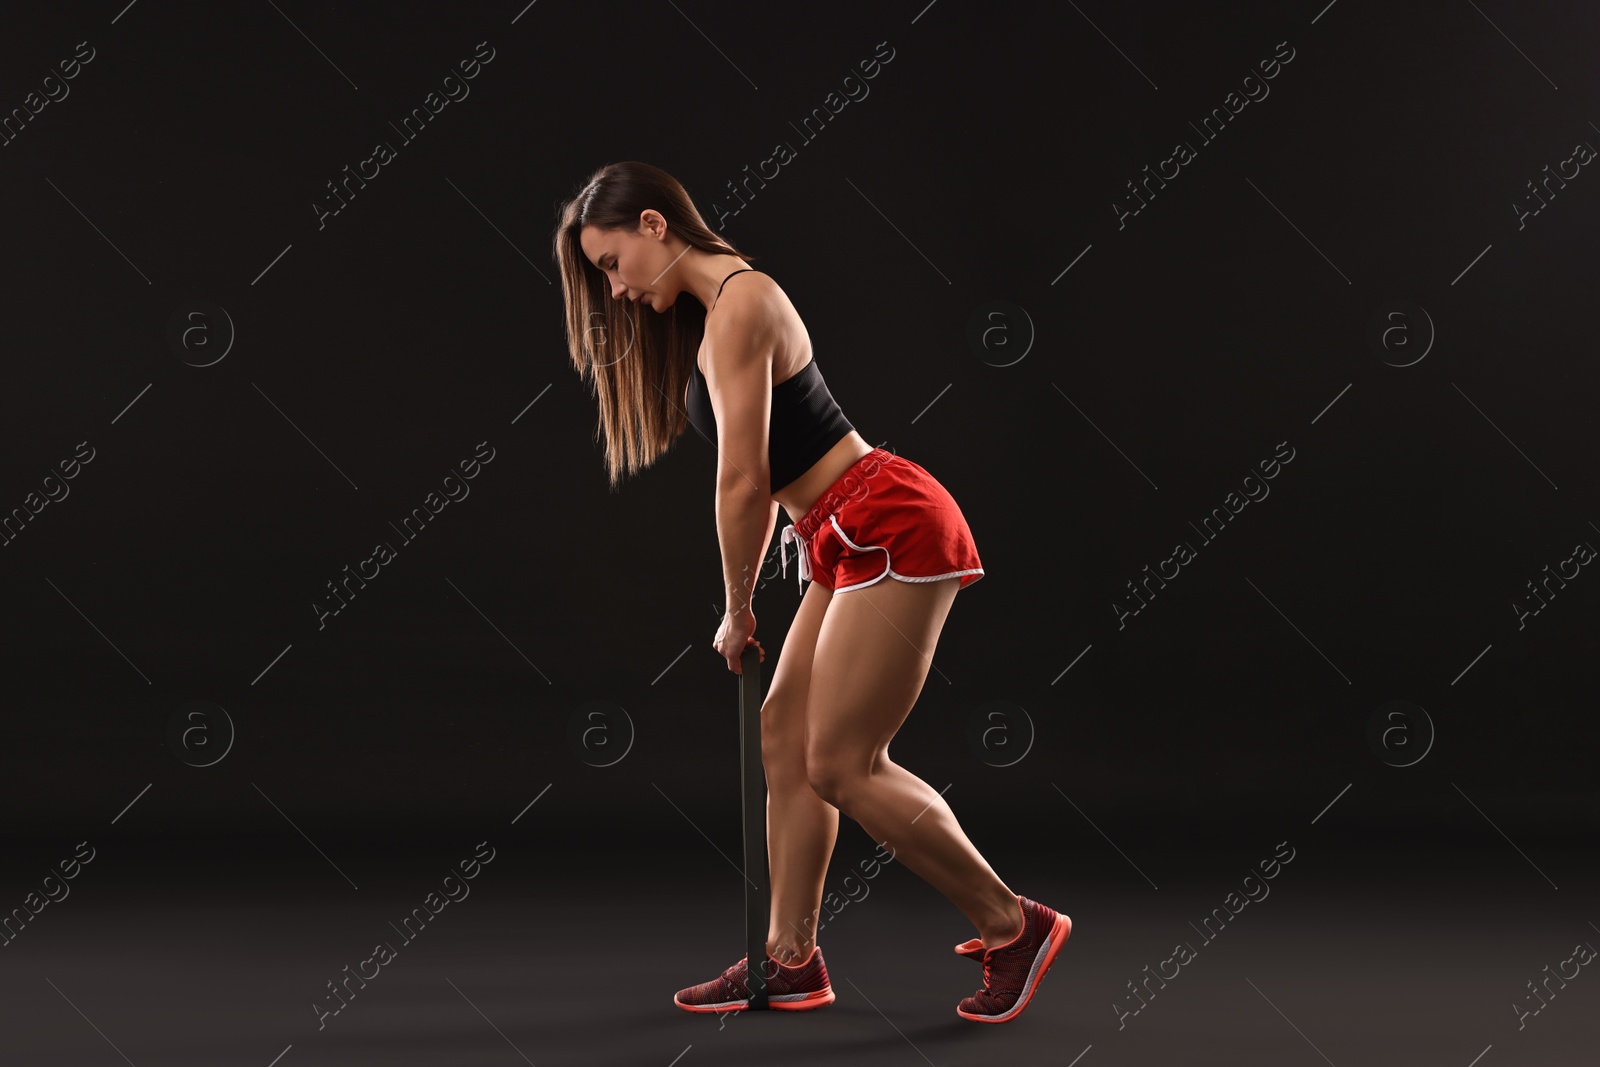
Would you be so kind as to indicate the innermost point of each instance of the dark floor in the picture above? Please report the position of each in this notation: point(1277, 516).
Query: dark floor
point(1397, 955)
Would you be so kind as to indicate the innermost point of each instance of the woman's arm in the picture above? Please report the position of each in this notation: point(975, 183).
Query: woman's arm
point(740, 340)
point(739, 522)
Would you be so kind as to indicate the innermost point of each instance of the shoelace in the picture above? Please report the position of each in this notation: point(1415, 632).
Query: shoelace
point(738, 975)
point(988, 979)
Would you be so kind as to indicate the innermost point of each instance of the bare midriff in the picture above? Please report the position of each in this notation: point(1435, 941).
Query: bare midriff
point(798, 496)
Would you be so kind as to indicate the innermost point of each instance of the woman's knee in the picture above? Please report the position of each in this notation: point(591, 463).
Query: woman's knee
point(832, 773)
point(783, 749)
point(826, 781)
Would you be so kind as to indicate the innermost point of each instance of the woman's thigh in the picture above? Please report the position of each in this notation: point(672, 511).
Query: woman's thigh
point(872, 655)
point(783, 712)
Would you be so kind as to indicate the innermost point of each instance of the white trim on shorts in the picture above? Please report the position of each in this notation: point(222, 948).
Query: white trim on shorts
point(888, 570)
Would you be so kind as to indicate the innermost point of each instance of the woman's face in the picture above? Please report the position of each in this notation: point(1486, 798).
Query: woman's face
point(632, 262)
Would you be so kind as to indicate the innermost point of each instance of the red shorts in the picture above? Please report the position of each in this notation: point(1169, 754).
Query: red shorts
point(884, 517)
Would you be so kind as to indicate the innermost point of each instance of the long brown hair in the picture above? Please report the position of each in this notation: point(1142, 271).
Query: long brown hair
point(638, 361)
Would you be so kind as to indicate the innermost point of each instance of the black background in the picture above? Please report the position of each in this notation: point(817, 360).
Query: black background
point(374, 351)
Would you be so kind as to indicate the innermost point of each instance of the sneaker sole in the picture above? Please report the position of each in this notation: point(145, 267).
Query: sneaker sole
point(786, 1002)
point(1041, 963)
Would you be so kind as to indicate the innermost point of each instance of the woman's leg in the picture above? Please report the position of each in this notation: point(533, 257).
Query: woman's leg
point(872, 656)
point(801, 826)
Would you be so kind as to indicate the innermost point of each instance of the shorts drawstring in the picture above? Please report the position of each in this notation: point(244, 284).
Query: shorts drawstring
point(803, 552)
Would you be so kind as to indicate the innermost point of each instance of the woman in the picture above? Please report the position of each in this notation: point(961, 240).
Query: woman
point(859, 649)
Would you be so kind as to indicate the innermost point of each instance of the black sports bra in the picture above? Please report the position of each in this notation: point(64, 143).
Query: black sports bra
point(805, 422)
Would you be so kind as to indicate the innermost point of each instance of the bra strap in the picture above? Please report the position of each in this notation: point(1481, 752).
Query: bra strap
point(714, 299)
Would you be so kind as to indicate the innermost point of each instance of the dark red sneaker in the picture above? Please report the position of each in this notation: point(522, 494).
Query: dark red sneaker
point(1013, 971)
point(798, 988)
